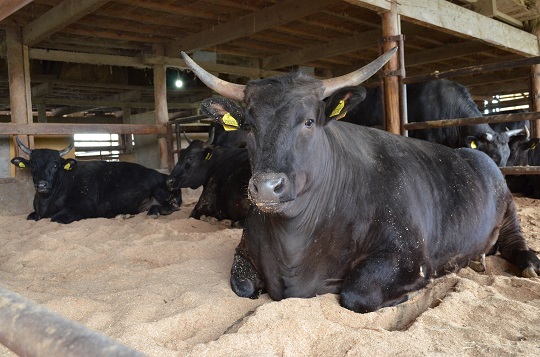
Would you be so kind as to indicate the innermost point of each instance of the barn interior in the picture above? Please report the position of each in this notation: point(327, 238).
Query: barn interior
point(113, 67)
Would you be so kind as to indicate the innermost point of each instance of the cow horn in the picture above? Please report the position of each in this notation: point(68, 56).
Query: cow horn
point(66, 150)
point(515, 132)
point(358, 76)
point(211, 135)
point(188, 139)
point(25, 149)
point(226, 89)
point(489, 136)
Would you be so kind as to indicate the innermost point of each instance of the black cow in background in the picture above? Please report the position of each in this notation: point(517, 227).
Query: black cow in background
point(230, 133)
point(223, 171)
point(433, 100)
point(68, 190)
point(524, 151)
point(345, 209)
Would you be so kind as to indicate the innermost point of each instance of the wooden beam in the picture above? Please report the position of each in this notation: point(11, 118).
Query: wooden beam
point(8, 7)
point(500, 118)
point(19, 77)
point(60, 16)
point(130, 96)
point(275, 15)
point(459, 21)
point(104, 103)
point(69, 129)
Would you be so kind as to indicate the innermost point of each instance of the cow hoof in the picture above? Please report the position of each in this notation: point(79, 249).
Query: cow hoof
point(122, 217)
point(478, 264)
point(211, 220)
point(529, 273)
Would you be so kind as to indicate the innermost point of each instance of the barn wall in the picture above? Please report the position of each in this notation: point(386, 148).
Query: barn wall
point(146, 146)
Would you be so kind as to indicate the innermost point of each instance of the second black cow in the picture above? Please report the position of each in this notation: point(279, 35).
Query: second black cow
point(68, 190)
point(433, 100)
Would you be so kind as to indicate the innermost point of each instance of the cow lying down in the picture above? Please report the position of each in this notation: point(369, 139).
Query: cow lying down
point(340, 208)
point(68, 190)
point(223, 172)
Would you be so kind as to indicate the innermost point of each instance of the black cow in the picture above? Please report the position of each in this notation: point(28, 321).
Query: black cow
point(434, 100)
point(68, 190)
point(223, 172)
point(342, 208)
point(227, 135)
point(524, 151)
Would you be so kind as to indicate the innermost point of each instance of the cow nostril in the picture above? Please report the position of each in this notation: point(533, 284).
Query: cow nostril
point(253, 187)
point(278, 186)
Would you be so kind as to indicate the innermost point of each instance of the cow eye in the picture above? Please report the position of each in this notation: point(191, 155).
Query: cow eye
point(309, 123)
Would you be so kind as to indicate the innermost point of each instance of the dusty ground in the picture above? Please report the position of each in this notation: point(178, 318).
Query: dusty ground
point(162, 287)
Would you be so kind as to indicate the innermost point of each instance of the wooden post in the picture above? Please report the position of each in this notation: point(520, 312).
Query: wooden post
point(19, 86)
point(535, 96)
point(391, 29)
point(160, 97)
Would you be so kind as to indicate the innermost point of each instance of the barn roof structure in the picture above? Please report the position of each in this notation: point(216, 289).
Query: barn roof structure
point(85, 62)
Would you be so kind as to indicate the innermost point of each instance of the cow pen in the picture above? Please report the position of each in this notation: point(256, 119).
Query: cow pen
point(161, 286)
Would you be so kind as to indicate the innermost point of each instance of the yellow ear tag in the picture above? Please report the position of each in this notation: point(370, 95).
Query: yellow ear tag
point(208, 156)
point(67, 166)
point(338, 109)
point(533, 146)
point(229, 123)
point(473, 145)
point(21, 165)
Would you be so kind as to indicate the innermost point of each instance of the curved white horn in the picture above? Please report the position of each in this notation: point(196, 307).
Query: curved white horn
point(515, 132)
point(188, 139)
point(489, 136)
point(358, 76)
point(66, 150)
point(226, 89)
point(25, 149)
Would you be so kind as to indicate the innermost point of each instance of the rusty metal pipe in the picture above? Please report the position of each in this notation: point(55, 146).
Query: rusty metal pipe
point(29, 329)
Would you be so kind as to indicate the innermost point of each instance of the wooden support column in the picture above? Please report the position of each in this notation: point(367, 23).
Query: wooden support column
point(160, 97)
point(535, 96)
point(19, 86)
point(391, 29)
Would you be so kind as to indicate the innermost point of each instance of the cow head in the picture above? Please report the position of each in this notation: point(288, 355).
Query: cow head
point(520, 147)
point(286, 123)
point(192, 166)
point(494, 144)
point(228, 117)
point(46, 165)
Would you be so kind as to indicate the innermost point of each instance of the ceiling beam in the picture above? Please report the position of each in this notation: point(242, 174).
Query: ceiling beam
point(275, 15)
point(60, 16)
point(130, 96)
point(333, 48)
point(8, 7)
point(459, 21)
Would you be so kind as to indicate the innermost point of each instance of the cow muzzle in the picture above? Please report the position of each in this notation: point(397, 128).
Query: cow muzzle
point(43, 187)
point(270, 191)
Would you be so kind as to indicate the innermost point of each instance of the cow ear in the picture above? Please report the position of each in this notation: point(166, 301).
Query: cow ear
point(471, 142)
point(69, 164)
point(223, 111)
point(342, 101)
point(207, 153)
point(20, 162)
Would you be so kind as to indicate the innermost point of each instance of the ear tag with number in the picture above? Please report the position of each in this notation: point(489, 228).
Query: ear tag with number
point(337, 110)
point(67, 166)
point(229, 123)
point(473, 145)
point(22, 165)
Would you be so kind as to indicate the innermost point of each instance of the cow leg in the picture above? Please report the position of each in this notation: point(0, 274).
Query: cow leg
point(513, 247)
point(33, 216)
point(245, 280)
point(66, 216)
point(381, 281)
